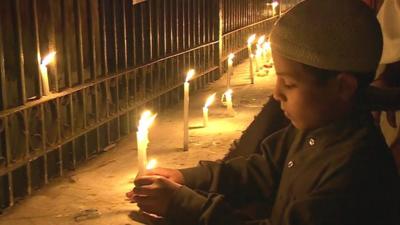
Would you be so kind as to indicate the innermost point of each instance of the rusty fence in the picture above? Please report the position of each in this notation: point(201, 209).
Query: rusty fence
point(113, 59)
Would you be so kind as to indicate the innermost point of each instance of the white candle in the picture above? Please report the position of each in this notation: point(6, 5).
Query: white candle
point(209, 101)
point(44, 74)
point(250, 41)
point(251, 56)
point(230, 70)
point(251, 69)
point(145, 122)
point(229, 105)
point(267, 51)
point(189, 76)
point(259, 52)
point(274, 7)
point(258, 59)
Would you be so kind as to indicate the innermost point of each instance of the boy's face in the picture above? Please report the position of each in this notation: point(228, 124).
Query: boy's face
point(307, 103)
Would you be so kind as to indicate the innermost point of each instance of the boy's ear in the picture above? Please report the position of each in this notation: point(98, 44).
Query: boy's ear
point(347, 85)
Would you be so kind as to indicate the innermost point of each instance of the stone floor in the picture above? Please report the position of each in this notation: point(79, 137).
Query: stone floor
point(95, 192)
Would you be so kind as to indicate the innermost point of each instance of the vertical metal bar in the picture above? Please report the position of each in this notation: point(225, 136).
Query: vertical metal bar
point(3, 73)
point(165, 26)
point(8, 160)
point(67, 57)
point(114, 18)
point(85, 125)
point(104, 33)
point(44, 146)
point(178, 39)
point(220, 34)
point(20, 50)
point(142, 33)
point(93, 62)
point(37, 42)
point(71, 114)
point(151, 28)
point(60, 156)
point(189, 24)
point(78, 19)
point(184, 38)
point(157, 29)
point(26, 140)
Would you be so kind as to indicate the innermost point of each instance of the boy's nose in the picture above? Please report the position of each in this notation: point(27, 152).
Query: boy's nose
point(278, 95)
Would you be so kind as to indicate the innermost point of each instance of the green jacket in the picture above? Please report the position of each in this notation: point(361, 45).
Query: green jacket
point(341, 174)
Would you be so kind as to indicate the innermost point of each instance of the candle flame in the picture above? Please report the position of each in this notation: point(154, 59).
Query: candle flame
point(261, 40)
point(210, 100)
point(189, 75)
point(48, 59)
point(228, 92)
point(275, 4)
point(145, 121)
point(251, 39)
point(267, 46)
point(151, 164)
point(231, 56)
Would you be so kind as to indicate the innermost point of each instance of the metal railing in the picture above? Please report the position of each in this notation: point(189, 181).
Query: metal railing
point(113, 59)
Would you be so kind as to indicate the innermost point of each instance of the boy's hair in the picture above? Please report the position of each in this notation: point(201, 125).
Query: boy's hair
point(322, 75)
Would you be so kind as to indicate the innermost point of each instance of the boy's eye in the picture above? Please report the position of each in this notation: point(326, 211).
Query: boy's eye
point(289, 84)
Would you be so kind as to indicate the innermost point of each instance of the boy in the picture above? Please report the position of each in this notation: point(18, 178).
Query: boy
point(330, 166)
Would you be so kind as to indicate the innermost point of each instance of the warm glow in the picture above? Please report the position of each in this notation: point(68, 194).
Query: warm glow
point(210, 100)
point(151, 164)
point(251, 39)
point(231, 56)
point(48, 59)
point(145, 121)
point(275, 4)
point(267, 46)
point(261, 40)
point(228, 92)
point(189, 75)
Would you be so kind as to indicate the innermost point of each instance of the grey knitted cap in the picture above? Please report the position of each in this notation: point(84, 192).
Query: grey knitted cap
point(340, 35)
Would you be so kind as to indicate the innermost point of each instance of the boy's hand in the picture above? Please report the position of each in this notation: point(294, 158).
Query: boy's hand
point(171, 174)
point(153, 193)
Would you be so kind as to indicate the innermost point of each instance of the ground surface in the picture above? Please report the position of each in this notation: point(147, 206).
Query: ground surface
point(94, 194)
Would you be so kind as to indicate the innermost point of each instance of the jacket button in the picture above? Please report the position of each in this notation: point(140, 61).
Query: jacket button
point(311, 142)
point(290, 164)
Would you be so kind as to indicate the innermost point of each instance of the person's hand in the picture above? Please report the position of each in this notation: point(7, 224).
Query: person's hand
point(153, 193)
point(171, 174)
point(390, 117)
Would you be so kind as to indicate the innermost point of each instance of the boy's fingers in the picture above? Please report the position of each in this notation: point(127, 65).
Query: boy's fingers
point(144, 180)
point(144, 190)
point(129, 194)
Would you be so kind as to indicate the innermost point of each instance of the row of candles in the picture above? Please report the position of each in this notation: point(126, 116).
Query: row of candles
point(263, 53)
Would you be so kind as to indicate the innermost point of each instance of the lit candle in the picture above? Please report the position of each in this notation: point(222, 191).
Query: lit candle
point(267, 51)
point(151, 164)
point(145, 122)
point(274, 7)
point(251, 69)
point(229, 105)
point(250, 41)
point(43, 70)
point(251, 56)
point(230, 70)
point(258, 59)
point(189, 76)
point(209, 101)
